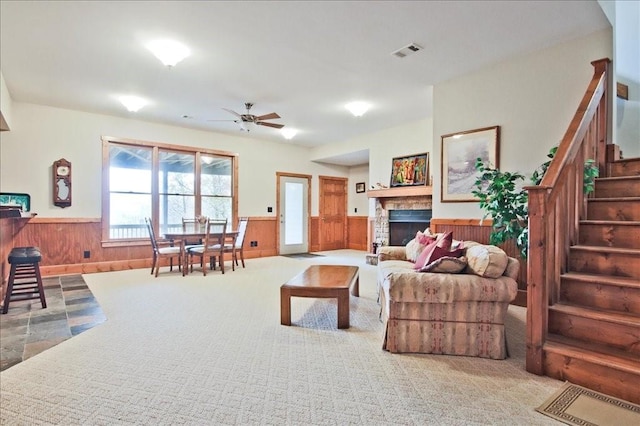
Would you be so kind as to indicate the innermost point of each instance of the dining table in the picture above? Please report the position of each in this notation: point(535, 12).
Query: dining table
point(194, 234)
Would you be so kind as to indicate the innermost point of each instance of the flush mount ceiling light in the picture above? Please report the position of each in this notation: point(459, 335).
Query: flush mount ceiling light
point(169, 52)
point(358, 108)
point(133, 103)
point(288, 133)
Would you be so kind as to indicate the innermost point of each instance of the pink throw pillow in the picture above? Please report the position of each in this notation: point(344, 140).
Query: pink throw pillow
point(424, 239)
point(437, 249)
point(434, 251)
point(422, 257)
point(445, 241)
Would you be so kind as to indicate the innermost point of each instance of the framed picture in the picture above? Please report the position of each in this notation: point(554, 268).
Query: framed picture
point(360, 187)
point(459, 153)
point(411, 170)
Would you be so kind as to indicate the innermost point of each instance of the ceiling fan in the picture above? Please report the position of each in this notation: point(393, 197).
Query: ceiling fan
point(259, 120)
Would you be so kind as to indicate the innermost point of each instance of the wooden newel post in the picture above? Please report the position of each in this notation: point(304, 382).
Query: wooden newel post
point(537, 292)
point(601, 67)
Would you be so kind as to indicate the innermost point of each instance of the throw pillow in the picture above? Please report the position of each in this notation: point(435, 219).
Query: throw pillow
point(424, 239)
point(417, 245)
point(446, 264)
point(445, 241)
point(486, 261)
point(434, 251)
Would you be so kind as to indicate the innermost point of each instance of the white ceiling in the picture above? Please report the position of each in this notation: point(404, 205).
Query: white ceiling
point(303, 60)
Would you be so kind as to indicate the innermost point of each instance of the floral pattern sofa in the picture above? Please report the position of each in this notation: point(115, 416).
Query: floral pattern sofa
point(446, 313)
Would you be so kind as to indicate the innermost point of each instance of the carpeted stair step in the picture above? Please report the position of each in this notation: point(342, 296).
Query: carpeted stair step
point(619, 262)
point(612, 293)
point(619, 186)
point(628, 167)
point(614, 208)
point(597, 367)
point(615, 329)
point(610, 233)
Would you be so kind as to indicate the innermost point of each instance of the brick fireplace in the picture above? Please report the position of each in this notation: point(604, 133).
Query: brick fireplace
point(386, 204)
point(403, 224)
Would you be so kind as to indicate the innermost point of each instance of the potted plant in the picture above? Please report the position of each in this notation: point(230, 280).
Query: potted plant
point(506, 201)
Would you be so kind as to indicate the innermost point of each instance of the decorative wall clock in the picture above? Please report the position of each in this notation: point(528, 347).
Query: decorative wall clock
point(62, 183)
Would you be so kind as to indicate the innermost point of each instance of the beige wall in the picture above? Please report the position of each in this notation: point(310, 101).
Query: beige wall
point(358, 201)
point(532, 98)
point(5, 101)
point(40, 135)
point(410, 138)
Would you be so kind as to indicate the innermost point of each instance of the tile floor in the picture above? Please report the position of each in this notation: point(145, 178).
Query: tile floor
point(27, 329)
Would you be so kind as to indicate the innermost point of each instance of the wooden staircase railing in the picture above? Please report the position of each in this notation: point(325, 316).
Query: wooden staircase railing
point(556, 207)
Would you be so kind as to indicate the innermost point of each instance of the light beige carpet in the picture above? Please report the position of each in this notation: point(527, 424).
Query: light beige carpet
point(576, 405)
point(210, 350)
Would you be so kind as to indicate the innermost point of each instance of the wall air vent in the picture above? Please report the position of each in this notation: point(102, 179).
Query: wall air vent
point(412, 48)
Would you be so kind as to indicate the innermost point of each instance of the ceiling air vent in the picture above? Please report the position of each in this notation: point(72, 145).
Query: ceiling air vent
point(412, 48)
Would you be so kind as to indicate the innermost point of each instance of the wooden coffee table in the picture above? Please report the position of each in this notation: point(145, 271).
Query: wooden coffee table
point(322, 281)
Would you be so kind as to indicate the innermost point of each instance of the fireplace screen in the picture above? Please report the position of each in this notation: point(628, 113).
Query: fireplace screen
point(403, 225)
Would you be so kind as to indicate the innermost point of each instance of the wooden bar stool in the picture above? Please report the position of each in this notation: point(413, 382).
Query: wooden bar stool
point(25, 282)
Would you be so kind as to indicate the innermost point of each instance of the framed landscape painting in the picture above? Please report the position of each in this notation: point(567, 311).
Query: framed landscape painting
point(459, 153)
point(411, 170)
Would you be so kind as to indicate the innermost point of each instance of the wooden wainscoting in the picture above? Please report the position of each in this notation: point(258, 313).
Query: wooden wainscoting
point(357, 232)
point(472, 230)
point(63, 241)
point(10, 227)
point(262, 229)
point(314, 234)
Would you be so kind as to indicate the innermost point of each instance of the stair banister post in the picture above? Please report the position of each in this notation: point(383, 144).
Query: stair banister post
point(537, 286)
point(603, 66)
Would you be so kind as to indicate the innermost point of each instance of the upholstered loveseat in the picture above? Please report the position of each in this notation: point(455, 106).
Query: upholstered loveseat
point(447, 313)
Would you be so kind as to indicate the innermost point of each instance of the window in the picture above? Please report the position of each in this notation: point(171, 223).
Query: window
point(165, 183)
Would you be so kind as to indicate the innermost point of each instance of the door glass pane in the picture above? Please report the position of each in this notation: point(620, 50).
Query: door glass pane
point(293, 213)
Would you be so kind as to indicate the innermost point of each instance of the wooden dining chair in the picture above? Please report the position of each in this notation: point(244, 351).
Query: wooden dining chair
point(235, 248)
point(192, 223)
point(164, 249)
point(212, 247)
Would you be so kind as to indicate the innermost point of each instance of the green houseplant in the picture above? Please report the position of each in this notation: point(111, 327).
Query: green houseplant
point(503, 200)
point(506, 202)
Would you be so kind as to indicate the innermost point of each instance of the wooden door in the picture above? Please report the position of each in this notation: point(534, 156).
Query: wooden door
point(333, 213)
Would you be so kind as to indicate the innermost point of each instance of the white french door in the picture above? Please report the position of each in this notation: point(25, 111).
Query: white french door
point(293, 214)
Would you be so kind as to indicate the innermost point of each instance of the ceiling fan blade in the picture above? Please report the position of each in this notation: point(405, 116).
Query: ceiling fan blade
point(271, 116)
point(233, 112)
point(274, 125)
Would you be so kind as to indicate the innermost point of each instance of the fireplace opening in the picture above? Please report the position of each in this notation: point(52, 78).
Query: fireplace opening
point(403, 225)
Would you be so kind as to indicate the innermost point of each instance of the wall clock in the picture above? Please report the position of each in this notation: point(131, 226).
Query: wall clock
point(62, 183)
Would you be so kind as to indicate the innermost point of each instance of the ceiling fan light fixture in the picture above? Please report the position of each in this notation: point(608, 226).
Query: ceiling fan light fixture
point(169, 52)
point(358, 108)
point(133, 103)
point(288, 133)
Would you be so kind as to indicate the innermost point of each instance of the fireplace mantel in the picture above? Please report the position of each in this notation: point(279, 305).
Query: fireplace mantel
point(405, 191)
